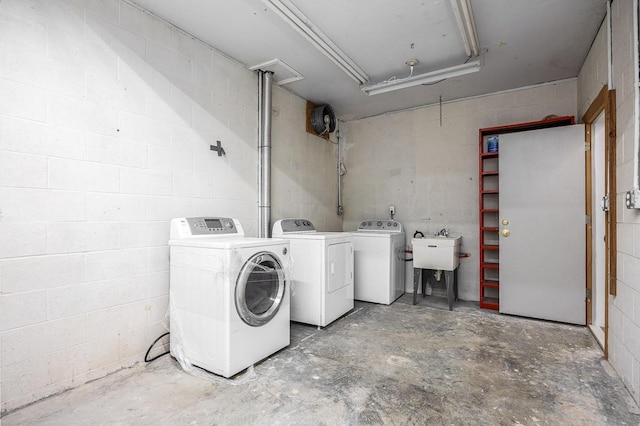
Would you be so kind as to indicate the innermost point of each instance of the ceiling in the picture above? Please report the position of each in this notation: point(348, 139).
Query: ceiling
point(522, 43)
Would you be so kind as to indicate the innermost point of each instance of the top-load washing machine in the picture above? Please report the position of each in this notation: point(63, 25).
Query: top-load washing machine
point(321, 271)
point(379, 247)
point(229, 295)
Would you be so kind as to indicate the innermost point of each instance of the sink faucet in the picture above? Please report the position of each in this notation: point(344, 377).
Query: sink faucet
point(443, 232)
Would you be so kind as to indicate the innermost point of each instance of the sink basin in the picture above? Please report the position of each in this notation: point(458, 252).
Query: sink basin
point(436, 252)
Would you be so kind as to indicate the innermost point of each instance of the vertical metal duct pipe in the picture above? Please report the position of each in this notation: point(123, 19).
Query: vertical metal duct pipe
point(260, 143)
point(265, 82)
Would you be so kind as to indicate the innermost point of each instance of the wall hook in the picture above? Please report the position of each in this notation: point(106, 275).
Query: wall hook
point(218, 148)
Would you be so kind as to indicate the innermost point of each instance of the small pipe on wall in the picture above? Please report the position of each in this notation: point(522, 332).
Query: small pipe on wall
point(636, 85)
point(341, 170)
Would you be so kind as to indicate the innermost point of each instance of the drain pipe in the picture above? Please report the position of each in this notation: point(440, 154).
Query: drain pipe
point(265, 80)
point(340, 209)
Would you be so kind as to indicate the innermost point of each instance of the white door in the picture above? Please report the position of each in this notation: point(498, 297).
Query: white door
point(599, 292)
point(339, 266)
point(338, 299)
point(542, 224)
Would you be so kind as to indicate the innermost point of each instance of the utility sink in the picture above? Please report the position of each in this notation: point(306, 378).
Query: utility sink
point(437, 252)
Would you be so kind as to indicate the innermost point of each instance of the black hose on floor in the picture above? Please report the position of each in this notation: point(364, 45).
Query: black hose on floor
point(146, 356)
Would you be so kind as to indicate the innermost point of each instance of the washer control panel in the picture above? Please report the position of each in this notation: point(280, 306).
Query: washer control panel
point(386, 225)
point(211, 225)
point(198, 226)
point(293, 225)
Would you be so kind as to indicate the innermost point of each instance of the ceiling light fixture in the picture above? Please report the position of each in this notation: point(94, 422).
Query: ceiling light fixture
point(299, 21)
point(426, 78)
point(466, 26)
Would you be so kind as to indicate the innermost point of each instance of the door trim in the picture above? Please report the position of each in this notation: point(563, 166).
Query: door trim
point(605, 101)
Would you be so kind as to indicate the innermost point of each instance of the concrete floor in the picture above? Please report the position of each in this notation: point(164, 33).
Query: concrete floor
point(397, 364)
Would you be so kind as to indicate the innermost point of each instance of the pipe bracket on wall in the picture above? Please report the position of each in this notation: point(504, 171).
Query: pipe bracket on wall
point(218, 148)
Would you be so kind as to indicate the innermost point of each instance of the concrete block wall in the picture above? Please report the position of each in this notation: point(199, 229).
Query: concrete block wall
point(624, 309)
point(425, 162)
point(305, 181)
point(594, 72)
point(106, 117)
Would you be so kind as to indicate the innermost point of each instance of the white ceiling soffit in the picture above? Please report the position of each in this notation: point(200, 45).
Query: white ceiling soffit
point(524, 43)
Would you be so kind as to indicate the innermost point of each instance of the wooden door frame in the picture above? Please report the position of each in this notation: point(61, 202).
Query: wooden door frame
point(604, 102)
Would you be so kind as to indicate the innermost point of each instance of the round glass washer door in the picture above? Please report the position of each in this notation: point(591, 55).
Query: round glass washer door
point(260, 288)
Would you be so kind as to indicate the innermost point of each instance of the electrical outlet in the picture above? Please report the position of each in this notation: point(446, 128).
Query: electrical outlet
point(392, 210)
point(632, 199)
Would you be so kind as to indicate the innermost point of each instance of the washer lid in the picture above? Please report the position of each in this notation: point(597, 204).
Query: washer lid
point(378, 234)
point(228, 242)
point(321, 236)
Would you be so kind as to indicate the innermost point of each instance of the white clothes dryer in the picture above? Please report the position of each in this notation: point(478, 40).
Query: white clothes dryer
point(379, 247)
point(321, 272)
point(229, 296)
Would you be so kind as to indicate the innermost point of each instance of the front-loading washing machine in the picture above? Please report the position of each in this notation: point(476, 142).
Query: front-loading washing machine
point(321, 271)
point(229, 295)
point(379, 247)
